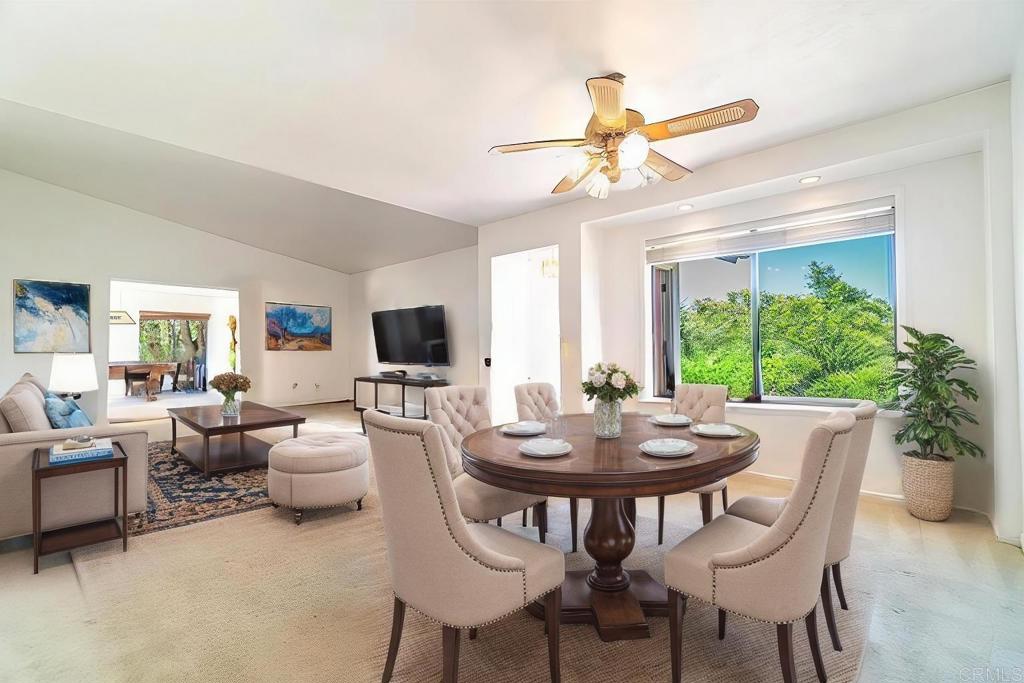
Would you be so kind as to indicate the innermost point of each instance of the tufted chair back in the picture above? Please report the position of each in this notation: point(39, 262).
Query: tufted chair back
point(776, 577)
point(536, 401)
point(458, 411)
point(437, 565)
point(849, 489)
point(701, 402)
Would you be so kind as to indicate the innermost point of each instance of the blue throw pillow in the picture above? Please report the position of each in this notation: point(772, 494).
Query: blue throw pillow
point(64, 413)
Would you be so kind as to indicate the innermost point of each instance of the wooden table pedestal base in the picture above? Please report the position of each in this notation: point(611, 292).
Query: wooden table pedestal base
point(616, 615)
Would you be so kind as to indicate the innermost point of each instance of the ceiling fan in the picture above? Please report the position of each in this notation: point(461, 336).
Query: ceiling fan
point(617, 139)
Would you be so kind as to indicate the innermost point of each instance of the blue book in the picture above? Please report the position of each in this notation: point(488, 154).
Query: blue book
point(102, 449)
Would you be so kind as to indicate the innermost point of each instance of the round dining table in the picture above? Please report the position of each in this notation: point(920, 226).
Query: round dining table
point(612, 473)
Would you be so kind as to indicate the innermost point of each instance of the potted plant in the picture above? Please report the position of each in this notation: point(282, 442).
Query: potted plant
point(932, 400)
point(610, 385)
point(229, 384)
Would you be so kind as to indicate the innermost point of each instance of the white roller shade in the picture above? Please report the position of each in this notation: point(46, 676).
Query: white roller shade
point(862, 219)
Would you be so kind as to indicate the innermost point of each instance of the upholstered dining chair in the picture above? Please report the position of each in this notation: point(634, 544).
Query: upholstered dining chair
point(763, 573)
point(539, 401)
point(701, 403)
point(766, 510)
point(459, 411)
point(458, 574)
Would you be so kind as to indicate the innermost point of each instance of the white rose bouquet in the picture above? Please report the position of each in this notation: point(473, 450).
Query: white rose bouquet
point(609, 382)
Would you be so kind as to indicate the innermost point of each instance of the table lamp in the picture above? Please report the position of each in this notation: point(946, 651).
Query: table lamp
point(72, 374)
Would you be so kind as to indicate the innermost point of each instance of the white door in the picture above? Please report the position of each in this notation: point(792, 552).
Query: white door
point(525, 337)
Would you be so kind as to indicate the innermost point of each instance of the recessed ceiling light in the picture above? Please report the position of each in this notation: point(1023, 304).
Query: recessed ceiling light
point(684, 207)
point(807, 180)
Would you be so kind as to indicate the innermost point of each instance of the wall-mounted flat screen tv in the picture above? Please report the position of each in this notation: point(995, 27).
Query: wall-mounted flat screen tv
point(411, 336)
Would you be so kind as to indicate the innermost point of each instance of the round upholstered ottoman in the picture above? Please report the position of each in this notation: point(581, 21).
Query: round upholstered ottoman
point(319, 470)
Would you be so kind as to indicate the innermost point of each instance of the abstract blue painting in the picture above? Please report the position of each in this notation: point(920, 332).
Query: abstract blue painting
point(51, 317)
point(294, 327)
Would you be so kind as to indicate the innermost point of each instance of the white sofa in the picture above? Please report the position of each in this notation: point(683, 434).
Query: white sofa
point(66, 500)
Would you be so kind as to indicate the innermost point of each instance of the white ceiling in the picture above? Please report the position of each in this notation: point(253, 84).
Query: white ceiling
point(400, 101)
point(321, 225)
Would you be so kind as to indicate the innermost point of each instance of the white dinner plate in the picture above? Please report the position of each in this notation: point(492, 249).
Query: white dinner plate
point(525, 428)
point(545, 448)
point(668, 448)
point(671, 420)
point(718, 430)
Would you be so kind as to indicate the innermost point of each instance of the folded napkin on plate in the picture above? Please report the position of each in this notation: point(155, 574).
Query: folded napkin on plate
point(546, 445)
point(718, 428)
point(525, 426)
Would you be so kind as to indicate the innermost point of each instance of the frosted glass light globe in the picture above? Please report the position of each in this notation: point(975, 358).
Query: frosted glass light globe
point(598, 186)
point(633, 151)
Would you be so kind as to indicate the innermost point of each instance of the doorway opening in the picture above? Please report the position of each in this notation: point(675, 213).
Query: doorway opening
point(525, 332)
point(166, 343)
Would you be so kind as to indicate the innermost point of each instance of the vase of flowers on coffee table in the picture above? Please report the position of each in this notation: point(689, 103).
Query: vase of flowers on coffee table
point(229, 384)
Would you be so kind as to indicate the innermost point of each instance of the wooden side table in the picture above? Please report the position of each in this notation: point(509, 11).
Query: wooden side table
point(58, 540)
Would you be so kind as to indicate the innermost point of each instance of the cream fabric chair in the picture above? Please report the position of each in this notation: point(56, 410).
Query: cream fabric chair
point(536, 401)
point(701, 403)
point(766, 510)
point(766, 574)
point(460, 575)
point(459, 411)
point(539, 401)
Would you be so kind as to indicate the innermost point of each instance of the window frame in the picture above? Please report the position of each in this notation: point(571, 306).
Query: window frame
point(757, 395)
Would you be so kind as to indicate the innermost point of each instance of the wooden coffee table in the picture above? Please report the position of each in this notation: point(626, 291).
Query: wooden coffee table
point(216, 449)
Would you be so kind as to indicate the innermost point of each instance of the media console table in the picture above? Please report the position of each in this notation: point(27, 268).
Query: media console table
point(404, 382)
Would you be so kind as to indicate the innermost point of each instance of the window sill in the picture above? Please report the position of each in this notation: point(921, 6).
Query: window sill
point(804, 409)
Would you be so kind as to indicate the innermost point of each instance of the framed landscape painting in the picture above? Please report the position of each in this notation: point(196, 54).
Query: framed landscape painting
point(294, 327)
point(51, 317)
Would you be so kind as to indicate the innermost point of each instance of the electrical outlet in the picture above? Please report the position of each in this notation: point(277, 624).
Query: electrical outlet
point(317, 386)
point(295, 385)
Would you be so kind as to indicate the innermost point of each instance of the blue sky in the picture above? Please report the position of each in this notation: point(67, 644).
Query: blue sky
point(862, 262)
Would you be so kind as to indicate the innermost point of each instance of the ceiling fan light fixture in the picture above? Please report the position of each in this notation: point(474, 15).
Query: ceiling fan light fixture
point(633, 151)
point(598, 186)
point(649, 177)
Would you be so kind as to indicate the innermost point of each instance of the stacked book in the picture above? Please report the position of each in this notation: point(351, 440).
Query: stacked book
point(72, 450)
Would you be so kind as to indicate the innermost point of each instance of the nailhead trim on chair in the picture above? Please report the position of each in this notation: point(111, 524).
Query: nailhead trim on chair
point(437, 493)
point(481, 625)
point(714, 571)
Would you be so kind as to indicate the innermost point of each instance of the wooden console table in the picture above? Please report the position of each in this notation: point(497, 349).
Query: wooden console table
point(404, 382)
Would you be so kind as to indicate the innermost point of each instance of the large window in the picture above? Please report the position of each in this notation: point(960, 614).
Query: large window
point(813, 320)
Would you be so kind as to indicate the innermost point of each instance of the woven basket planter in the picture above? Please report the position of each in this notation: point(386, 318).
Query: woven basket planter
point(928, 488)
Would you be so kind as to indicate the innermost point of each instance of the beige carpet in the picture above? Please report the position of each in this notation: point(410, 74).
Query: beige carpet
point(253, 597)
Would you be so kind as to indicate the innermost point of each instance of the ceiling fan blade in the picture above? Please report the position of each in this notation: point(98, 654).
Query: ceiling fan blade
point(606, 94)
point(572, 180)
point(665, 167)
point(698, 122)
point(539, 144)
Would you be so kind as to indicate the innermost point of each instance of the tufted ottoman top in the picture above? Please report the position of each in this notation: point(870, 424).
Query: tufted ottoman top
point(313, 453)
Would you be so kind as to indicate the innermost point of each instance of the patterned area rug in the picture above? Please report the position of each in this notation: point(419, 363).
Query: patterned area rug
point(178, 494)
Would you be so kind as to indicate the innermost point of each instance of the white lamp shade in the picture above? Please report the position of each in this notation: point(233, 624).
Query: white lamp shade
point(73, 373)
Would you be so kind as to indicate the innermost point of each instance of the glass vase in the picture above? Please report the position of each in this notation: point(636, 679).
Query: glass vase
point(231, 406)
point(608, 419)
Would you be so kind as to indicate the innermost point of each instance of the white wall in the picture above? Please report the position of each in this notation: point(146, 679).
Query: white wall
point(1017, 126)
point(449, 279)
point(941, 262)
point(52, 233)
point(219, 304)
point(978, 121)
